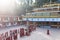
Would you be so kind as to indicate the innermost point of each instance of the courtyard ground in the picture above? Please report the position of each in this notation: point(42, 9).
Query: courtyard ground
point(38, 34)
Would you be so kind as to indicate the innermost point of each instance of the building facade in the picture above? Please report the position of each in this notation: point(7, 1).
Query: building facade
point(48, 15)
point(8, 21)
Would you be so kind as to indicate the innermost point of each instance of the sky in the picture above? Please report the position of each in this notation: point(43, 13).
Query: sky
point(9, 5)
point(6, 6)
point(33, 1)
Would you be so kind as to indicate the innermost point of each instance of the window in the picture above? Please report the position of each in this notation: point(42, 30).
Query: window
point(0, 19)
point(59, 13)
point(55, 8)
point(15, 18)
point(49, 9)
point(5, 18)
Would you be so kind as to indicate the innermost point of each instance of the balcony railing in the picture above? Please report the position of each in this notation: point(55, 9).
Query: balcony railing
point(47, 10)
point(41, 16)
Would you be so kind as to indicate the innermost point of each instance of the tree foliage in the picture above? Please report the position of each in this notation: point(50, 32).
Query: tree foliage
point(53, 0)
point(39, 3)
point(22, 9)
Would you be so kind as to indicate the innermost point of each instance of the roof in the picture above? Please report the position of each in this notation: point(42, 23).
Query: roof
point(44, 8)
point(49, 5)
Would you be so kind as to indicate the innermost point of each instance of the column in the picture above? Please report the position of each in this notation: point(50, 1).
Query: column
point(50, 24)
point(34, 23)
point(57, 24)
point(27, 22)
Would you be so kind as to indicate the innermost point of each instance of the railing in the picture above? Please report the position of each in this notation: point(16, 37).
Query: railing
point(55, 25)
point(41, 16)
point(42, 8)
point(47, 10)
point(50, 5)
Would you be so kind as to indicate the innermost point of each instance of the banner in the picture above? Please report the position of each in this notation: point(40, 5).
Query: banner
point(6, 34)
point(0, 37)
point(43, 19)
point(15, 34)
point(21, 32)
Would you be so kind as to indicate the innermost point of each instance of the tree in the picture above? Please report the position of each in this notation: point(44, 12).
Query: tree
point(53, 0)
point(39, 3)
point(21, 10)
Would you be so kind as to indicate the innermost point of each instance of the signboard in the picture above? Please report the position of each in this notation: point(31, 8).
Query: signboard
point(42, 19)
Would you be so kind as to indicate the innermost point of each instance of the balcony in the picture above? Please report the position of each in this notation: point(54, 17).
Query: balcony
point(47, 11)
point(52, 9)
point(41, 16)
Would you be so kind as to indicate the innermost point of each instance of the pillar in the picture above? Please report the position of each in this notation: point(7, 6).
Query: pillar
point(21, 22)
point(27, 23)
point(57, 24)
point(34, 23)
